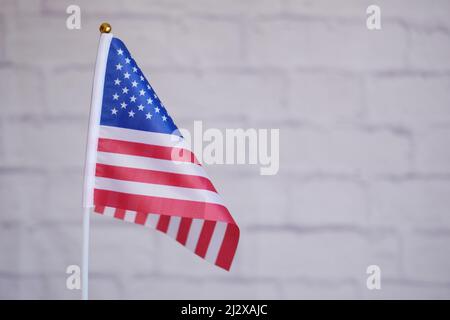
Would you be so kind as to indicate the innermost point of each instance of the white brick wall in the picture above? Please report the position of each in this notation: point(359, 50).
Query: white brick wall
point(364, 120)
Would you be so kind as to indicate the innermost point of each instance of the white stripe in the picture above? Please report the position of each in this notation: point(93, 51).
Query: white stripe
point(123, 160)
point(155, 138)
point(109, 211)
point(130, 216)
point(152, 220)
point(157, 190)
point(174, 224)
point(216, 241)
point(194, 234)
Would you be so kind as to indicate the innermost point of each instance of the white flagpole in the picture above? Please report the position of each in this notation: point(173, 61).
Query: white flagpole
point(85, 258)
point(91, 149)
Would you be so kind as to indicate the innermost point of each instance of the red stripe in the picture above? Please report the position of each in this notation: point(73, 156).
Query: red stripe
point(156, 177)
point(205, 237)
point(165, 206)
point(163, 223)
point(120, 213)
point(146, 150)
point(183, 230)
point(228, 247)
point(99, 209)
point(141, 217)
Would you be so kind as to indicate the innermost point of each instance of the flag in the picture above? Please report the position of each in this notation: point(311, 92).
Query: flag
point(139, 168)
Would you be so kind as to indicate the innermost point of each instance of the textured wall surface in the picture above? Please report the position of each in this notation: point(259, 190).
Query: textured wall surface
point(364, 119)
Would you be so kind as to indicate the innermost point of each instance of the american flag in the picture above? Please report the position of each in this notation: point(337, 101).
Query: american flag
point(145, 173)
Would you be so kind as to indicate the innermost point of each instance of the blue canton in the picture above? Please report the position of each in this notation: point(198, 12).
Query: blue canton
point(129, 100)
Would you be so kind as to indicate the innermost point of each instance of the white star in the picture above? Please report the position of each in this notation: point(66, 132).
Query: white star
point(142, 78)
point(126, 75)
point(117, 81)
point(141, 107)
point(156, 97)
point(123, 105)
point(119, 66)
point(115, 96)
point(133, 99)
point(164, 118)
point(141, 92)
point(125, 90)
point(131, 114)
point(134, 69)
point(148, 116)
point(148, 87)
point(119, 52)
point(157, 110)
point(114, 111)
point(127, 60)
point(134, 83)
point(149, 101)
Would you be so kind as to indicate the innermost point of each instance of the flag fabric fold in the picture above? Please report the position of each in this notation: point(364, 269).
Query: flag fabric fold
point(140, 170)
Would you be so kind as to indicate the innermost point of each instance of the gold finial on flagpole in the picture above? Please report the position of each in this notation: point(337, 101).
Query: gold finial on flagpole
point(105, 27)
